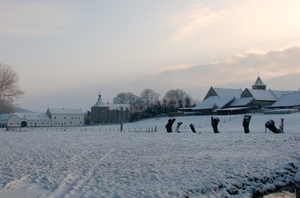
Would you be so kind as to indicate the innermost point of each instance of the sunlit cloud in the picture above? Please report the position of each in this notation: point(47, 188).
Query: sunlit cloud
point(171, 68)
point(240, 67)
point(31, 18)
point(193, 19)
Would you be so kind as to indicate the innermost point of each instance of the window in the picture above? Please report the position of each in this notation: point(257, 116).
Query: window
point(70, 122)
point(54, 117)
point(65, 117)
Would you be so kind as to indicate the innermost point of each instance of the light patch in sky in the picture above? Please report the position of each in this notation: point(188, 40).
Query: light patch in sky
point(35, 18)
point(170, 68)
point(193, 19)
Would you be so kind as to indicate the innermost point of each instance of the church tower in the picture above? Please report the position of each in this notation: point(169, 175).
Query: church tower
point(259, 84)
point(99, 102)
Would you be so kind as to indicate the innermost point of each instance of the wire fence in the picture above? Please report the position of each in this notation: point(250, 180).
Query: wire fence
point(121, 127)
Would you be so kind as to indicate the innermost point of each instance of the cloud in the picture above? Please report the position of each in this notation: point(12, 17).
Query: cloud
point(170, 68)
point(193, 19)
point(35, 18)
point(237, 69)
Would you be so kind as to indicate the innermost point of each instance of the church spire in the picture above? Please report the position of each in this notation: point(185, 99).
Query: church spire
point(99, 101)
point(259, 84)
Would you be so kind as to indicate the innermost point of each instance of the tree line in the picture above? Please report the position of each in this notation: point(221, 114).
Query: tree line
point(148, 104)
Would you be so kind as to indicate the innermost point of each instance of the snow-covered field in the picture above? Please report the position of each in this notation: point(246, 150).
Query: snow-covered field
point(100, 161)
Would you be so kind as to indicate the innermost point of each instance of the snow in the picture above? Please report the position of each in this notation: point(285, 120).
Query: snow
point(100, 161)
point(288, 100)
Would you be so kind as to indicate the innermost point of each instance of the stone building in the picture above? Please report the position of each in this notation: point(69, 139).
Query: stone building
point(105, 113)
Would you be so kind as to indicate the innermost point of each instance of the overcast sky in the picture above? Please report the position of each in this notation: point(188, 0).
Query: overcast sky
point(65, 52)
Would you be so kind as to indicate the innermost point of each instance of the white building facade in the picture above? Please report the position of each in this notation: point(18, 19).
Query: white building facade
point(65, 117)
point(25, 120)
point(52, 118)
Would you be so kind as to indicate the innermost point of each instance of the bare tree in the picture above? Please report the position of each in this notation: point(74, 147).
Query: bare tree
point(172, 105)
point(188, 101)
point(176, 94)
point(133, 99)
point(126, 98)
point(149, 96)
point(121, 98)
point(180, 96)
point(9, 88)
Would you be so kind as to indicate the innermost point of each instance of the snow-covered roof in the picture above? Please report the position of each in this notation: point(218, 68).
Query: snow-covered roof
point(36, 116)
point(99, 102)
point(226, 92)
point(258, 81)
point(5, 116)
point(278, 94)
point(288, 100)
point(213, 102)
point(241, 102)
point(233, 108)
point(259, 94)
point(112, 106)
point(28, 116)
point(65, 111)
point(118, 106)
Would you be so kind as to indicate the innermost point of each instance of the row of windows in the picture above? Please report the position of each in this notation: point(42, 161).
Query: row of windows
point(64, 123)
point(71, 118)
point(48, 123)
point(29, 123)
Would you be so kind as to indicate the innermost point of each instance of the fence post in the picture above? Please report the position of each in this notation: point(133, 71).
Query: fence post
point(192, 128)
point(246, 121)
point(214, 124)
point(169, 125)
point(121, 127)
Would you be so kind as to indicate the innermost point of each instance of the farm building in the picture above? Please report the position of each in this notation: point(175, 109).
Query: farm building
point(236, 101)
point(291, 100)
point(65, 117)
point(53, 117)
point(25, 120)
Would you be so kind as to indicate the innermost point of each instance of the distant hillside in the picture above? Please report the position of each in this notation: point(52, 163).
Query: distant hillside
point(20, 110)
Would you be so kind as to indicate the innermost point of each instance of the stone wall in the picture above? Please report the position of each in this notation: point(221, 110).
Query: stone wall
point(103, 115)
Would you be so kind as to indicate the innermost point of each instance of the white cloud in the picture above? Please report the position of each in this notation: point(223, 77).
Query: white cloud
point(193, 19)
point(31, 18)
